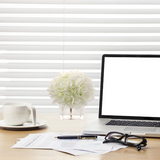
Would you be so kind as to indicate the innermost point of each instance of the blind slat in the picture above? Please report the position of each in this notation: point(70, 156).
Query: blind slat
point(50, 66)
point(82, 1)
point(83, 48)
point(39, 92)
point(74, 53)
point(31, 83)
point(78, 11)
point(39, 101)
point(77, 43)
point(83, 29)
point(81, 38)
point(52, 57)
point(50, 74)
point(75, 20)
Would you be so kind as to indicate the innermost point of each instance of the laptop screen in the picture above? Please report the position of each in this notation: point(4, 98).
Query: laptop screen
point(130, 86)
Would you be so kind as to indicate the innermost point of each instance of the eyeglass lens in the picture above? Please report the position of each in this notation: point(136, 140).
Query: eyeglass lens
point(134, 140)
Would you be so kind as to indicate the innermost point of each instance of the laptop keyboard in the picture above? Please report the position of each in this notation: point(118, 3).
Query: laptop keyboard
point(133, 123)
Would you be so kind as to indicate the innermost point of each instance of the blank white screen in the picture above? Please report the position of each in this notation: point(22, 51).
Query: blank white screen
point(131, 87)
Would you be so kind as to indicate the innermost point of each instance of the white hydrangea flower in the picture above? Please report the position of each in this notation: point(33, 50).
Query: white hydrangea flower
point(72, 89)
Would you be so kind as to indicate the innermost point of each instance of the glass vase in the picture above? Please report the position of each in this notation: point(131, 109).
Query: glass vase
point(71, 113)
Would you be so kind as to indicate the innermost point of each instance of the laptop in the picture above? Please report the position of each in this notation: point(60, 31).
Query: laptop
point(129, 96)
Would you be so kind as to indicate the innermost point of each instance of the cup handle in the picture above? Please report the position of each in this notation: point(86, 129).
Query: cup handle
point(33, 114)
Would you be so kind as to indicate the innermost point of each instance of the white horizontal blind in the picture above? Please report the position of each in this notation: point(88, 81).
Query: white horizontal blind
point(38, 38)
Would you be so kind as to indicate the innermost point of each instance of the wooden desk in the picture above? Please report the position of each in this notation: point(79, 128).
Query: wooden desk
point(8, 139)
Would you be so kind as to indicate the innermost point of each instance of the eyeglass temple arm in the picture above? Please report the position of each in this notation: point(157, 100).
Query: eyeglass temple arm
point(138, 148)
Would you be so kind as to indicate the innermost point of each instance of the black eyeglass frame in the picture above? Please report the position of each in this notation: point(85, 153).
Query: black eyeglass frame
point(143, 143)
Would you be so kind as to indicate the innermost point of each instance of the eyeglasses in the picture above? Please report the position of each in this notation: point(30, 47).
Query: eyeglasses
point(128, 140)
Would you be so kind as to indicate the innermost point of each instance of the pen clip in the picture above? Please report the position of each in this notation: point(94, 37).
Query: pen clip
point(89, 137)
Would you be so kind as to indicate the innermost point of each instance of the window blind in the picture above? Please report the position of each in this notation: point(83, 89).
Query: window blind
point(40, 38)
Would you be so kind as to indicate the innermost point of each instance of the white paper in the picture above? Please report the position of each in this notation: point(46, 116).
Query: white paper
point(74, 147)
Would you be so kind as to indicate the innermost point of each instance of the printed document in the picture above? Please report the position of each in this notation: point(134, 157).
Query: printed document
point(71, 146)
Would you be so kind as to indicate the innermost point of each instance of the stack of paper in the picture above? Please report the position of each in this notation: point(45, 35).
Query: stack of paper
point(74, 147)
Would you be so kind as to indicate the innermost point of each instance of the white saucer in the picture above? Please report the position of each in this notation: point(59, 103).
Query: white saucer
point(28, 124)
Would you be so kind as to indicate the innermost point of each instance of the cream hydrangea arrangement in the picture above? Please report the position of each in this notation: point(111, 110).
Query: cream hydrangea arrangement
point(72, 89)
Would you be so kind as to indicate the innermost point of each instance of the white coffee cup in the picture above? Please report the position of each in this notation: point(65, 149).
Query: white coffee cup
point(17, 113)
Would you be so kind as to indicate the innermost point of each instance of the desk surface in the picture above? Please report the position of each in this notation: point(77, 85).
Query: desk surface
point(8, 139)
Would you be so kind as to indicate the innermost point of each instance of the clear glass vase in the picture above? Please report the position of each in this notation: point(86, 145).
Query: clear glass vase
point(71, 113)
